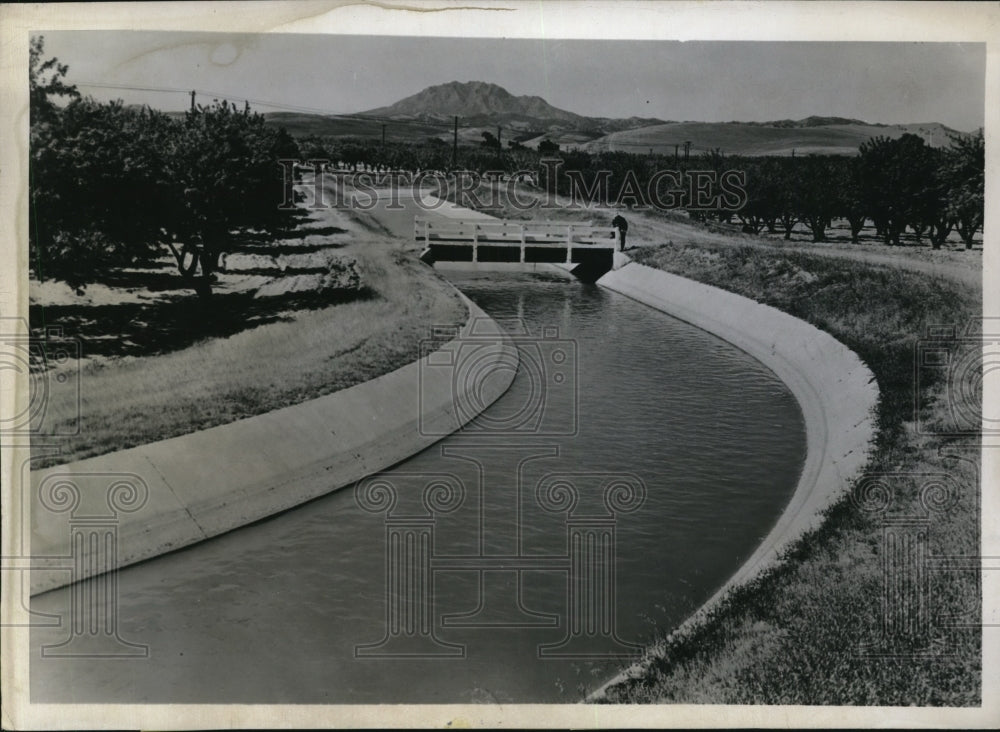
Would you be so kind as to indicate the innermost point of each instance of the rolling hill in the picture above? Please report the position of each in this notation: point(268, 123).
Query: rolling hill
point(753, 139)
point(481, 106)
point(303, 124)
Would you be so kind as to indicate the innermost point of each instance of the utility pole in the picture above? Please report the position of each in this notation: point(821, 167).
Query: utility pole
point(383, 134)
point(454, 146)
point(687, 150)
point(192, 100)
point(676, 153)
point(499, 148)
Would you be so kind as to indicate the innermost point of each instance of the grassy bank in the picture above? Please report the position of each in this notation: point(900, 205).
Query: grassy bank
point(262, 362)
point(802, 633)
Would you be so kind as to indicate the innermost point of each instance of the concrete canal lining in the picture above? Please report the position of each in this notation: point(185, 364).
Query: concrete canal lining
point(837, 392)
point(175, 492)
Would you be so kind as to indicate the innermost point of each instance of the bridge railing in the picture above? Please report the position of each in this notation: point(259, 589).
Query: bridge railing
point(523, 233)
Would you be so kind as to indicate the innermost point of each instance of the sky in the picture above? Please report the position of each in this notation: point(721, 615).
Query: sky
point(672, 80)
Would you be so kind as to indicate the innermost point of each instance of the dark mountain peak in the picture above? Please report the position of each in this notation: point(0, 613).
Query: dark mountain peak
point(479, 87)
point(473, 100)
point(467, 90)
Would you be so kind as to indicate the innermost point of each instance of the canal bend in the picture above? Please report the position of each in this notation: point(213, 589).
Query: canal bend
point(632, 452)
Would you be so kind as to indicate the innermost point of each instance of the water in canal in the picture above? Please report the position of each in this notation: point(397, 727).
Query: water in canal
point(610, 393)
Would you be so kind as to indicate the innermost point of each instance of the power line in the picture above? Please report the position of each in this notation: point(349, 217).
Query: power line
point(259, 102)
point(132, 88)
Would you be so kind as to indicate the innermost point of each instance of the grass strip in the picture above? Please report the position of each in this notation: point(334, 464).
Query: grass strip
point(305, 354)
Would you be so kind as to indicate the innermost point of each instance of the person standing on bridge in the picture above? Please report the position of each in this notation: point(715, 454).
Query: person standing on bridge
point(621, 224)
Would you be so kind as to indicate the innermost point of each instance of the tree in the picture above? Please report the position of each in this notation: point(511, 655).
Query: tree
point(898, 182)
point(788, 196)
point(819, 197)
point(111, 186)
point(435, 155)
point(46, 80)
point(99, 193)
point(764, 195)
point(353, 153)
point(224, 172)
point(855, 207)
point(547, 147)
point(94, 177)
point(931, 212)
point(963, 170)
point(315, 148)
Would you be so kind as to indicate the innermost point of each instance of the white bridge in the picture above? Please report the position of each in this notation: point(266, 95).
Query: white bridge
point(586, 248)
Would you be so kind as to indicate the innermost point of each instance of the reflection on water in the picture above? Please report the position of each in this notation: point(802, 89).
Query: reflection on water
point(611, 398)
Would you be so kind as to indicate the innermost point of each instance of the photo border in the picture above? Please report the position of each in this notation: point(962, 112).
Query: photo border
point(705, 20)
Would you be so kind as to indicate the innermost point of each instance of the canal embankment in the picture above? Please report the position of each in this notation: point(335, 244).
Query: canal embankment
point(835, 389)
point(808, 629)
point(171, 493)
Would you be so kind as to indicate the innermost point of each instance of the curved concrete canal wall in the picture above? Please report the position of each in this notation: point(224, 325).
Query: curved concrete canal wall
point(835, 389)
point(175, 492)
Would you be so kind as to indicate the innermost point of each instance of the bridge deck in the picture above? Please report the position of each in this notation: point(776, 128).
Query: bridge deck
point(525, 236)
